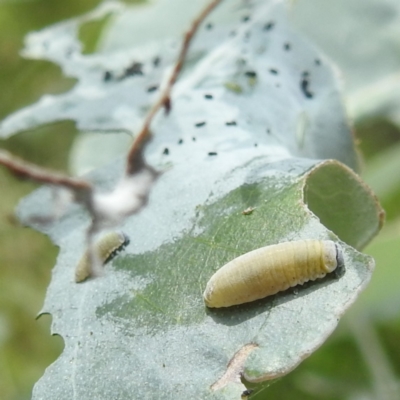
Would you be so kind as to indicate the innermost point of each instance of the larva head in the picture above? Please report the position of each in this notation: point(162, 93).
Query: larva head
point(106, 248)
point(332, 256)
point(109, 245)
point(213, 296)
point(208, 294)
point(340, 270)
point(124, 239)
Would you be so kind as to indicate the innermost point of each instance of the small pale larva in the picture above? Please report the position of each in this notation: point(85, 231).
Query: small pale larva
point(106, 247)
point(266, 271)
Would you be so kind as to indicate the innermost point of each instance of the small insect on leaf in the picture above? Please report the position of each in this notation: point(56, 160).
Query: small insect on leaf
point(233, 87)
point(266, 271)
point(106, 248)
point(248, 210)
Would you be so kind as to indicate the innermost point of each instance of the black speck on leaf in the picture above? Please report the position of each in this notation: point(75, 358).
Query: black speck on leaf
point(230, 123)
point(180, 141)
point(273, 71)
point(166, 151)
point(156, 61)
point(107, 76)
point(317, 61)
point(199, 124)
point(287, 46)
point(209, 26)
point(208, 96)
point(134, 69)
point(194, 138)
point(251, 74)
point(212, 153)
point(304, 85)
point(152, 88)
point(246, 18)
point(268, 26)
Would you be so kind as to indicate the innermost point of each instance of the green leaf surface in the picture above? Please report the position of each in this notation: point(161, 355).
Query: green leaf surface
point(145, 319)
point(142, 329)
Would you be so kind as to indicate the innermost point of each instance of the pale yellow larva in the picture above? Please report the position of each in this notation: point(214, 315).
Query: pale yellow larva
point(271, 269)
point(106, 248)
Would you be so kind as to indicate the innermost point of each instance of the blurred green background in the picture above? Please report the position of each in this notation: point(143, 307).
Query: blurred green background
point(26, 256)
point(361, 360)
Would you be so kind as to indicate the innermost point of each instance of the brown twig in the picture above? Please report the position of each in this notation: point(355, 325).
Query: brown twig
point(83, 191)
point(33, 172)
point(135, 162)
point(135, 155)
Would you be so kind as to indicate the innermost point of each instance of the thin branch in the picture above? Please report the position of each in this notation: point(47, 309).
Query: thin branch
point(135, 156)
point(33, 172)
point(130, 195)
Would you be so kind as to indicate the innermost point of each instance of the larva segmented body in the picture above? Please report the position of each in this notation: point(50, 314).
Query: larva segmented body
point(106, 247)
point(268, 270)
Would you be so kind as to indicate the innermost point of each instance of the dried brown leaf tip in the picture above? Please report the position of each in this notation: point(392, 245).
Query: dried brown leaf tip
point(235, 367)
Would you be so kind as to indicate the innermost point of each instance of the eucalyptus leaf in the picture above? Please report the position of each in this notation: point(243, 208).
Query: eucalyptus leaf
point(362, 37)
point(145, 320)
point(142, 330)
